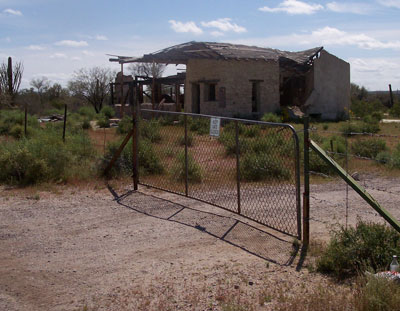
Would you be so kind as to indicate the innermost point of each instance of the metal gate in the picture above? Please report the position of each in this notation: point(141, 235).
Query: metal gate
point(247, 167)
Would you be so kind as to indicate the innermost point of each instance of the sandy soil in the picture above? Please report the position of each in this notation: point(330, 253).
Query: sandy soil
point(79, 248)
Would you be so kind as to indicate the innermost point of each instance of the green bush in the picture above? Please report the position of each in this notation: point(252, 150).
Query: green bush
point(378, 294)
point(228, 139)
point(395, 110)
point(150, 130)
point(200, 125)
point(338, 144)
point(149, 162)
point(252, 131)
point(363, 108)
point(86, 124)
point(44, 157)
point(257, 166)
point(194, 170)
point(368, 148)
point(103, 122)
point(181, 140)
point(11, 118)
point(125, 125)
point(355, 249)
point(87, 112)
point(108, 112)
point(396, 157)
point(384, 157)
point(271, 117)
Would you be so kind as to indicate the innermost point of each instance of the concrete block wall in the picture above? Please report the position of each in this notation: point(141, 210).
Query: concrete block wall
point(235, 76)
point(331, 94)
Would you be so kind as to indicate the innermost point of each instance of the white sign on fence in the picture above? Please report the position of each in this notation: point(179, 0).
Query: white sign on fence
point(215, 124)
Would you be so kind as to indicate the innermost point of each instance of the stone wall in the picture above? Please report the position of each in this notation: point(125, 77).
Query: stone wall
point(233, 89)
point(331, 94)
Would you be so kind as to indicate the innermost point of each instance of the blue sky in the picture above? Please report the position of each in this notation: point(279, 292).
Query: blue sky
point(54, 38)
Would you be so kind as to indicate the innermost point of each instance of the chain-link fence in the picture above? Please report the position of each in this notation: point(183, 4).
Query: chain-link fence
point(247, 167)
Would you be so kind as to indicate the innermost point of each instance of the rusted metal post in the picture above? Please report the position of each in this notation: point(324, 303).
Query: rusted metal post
point(306, 194)
point(65, 122)
point(237, 166)
point(122, 91)
point(135, 137)
point(391, 96)
point(178, 104)
point(186, 160)
point(10, 77)
point(26, 120)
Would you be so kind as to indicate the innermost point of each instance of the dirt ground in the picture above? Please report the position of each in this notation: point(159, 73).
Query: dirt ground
point(98, 248)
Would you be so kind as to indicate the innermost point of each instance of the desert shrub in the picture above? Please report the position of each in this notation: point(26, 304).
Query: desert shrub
point(338, 143)
point(200, 125)
point(257, 166)
point(319, 165)
point(181, 140)
point(354, 249)
point(150, 130)
point(252, 131)
point(103, 122)
point(86, 124)
point(395, 110)
point(11, 118)
point(325, 126)
point(228, 139)
point(370, 125)
point(377, 294)
point(124, 125)
point(194, 170)
point(271, 117)
point(368, 147)
point(167, 120)
point(149, 162)
point(363, 108)
point(396, 157)
point(384, 157)
point(44, 157)
point(87, 112)
point(108, 112)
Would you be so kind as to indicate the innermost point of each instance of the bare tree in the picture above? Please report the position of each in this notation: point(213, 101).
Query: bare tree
point(10, 81)
point(41, 85)
point(151, 70)
point(92, 85)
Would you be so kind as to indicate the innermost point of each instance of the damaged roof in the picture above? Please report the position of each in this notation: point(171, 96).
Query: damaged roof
point(180, 54)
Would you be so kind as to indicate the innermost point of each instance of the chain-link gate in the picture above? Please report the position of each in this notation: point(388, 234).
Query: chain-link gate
point(248, 167)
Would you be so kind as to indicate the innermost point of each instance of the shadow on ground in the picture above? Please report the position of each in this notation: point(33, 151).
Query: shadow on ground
point(228, 229)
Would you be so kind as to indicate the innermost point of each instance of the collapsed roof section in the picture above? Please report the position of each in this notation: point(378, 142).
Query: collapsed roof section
point(180, 54)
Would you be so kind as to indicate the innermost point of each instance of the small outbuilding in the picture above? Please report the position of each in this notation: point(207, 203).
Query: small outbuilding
point(247, 81)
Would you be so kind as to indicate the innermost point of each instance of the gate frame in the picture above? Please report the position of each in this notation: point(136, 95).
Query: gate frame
point(136, 111)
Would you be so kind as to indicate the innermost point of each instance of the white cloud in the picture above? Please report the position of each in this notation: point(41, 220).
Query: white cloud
point(76, 58)
point(58, 55)
point(375, 73)
point(101, 38)
point(334, 36)
point(217, 33)
point(224, 25)
point(12, 12)
point(390, 3)
point(190, 27)
point(72, 43)
point(35, 47)
point(349, 7)
point(327, 36)
point(87, 53)
point(294, 7)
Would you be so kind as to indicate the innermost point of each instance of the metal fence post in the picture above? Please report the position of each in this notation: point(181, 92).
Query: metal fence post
point(237, 165)
point(135, 144)
point(65, 122)
point(306, 194)
point(186, 159)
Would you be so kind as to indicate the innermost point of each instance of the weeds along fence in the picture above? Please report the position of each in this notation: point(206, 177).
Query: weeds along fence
point(248, 167)
point(370, 153)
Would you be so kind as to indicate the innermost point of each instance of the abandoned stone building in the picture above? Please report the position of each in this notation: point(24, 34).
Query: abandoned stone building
point(238, 80)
